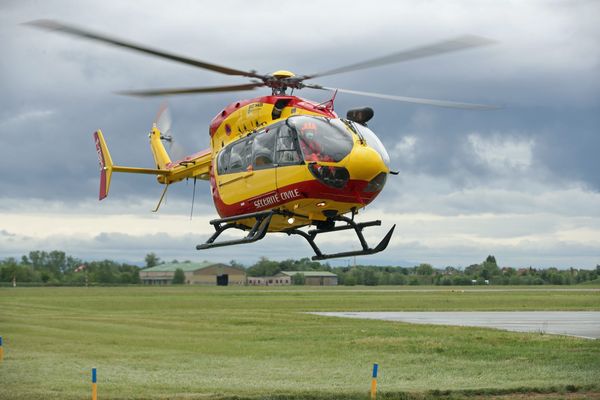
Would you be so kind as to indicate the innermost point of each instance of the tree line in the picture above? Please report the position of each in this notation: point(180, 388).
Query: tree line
point(57, 268)
point(485, 273)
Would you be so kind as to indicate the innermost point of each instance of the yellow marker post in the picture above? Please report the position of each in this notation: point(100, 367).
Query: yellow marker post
point(94, 387)
point(374, 382)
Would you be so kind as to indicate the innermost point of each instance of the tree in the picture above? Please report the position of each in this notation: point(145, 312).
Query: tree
point(57, 262)
point(449, 270)
point(489, 268)
point(349, 280)
point(425, 269)
point(10, 269)
point(105, 272)
point(236, 264)
point(369, 278)
point(398, 279)
point(473, 270)
point(151, 260)
point(264, 267)
point(491, 259)
point(385, 278)
point(179, 277)
point(298, 279)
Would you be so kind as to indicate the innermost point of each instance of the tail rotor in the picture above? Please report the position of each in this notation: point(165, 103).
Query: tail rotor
point(163, 122)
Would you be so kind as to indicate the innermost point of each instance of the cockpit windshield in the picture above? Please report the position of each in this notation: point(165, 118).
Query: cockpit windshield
point(321, 139)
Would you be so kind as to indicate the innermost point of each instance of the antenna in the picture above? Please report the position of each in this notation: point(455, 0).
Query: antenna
point(193, 199)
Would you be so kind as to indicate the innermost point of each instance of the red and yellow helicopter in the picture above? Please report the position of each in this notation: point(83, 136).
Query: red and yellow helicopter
point(278, 163)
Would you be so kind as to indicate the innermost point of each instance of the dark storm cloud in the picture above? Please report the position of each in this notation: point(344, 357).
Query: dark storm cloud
point(60, 92)
point(544, 71)
point(565, 143)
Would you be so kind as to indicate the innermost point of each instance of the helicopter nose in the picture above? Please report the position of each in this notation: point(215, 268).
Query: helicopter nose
point(365, 164)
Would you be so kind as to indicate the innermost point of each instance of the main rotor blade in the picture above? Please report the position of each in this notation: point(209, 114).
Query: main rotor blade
point(446, 46)
point(417, 100)
point(167, 92)
point(52, 25)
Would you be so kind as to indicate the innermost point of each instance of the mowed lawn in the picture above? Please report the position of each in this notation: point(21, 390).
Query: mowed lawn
point(200, 342)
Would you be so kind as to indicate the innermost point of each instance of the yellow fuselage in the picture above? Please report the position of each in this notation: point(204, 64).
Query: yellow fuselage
point(293, 188)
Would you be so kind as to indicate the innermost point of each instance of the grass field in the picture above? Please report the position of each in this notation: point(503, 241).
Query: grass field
point(200, 342)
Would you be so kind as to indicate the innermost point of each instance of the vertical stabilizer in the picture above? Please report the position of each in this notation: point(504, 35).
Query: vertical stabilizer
point(161, 157)
point(106, 163)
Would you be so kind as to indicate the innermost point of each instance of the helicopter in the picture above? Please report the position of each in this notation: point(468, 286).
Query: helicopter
point(278, 163)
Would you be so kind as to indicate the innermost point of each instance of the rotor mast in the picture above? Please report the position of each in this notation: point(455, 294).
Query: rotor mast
point(280, 81)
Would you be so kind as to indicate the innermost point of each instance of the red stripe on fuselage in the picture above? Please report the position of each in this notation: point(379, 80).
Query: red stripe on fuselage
point(312, 189)
point(188, 158)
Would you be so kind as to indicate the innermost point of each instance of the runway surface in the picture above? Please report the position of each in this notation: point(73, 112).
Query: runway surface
point(584, 324)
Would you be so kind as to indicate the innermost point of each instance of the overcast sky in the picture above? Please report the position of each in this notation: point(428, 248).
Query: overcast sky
point(522, 182)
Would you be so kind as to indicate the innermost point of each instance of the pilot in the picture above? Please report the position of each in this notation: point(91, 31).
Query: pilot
point(308, 142)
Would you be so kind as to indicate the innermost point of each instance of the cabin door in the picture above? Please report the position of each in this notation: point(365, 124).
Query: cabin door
point(261, 182)
point(248, 175)
point(290, 166)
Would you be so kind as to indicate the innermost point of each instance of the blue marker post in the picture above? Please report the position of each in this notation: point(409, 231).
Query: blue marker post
point(1, 349)
point(94, 388)
point(374, 382)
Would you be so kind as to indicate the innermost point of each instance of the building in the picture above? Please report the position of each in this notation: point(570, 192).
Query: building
point(204, 273)
point(269, 280)
point(312, 278)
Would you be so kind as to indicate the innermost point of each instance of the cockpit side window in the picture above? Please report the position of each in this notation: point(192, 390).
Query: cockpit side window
point(263, 149)
point(286, 151)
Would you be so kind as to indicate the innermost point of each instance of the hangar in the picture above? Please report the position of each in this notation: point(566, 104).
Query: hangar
point(204, 273)
point(313, 278)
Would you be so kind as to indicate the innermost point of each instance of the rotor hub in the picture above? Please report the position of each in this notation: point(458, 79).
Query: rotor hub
point(282, 74)
point(280, 81)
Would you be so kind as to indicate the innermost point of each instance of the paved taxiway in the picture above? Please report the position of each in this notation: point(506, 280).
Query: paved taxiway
point(585, 324)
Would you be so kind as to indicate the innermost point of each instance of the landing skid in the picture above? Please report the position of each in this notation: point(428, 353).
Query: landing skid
point(257, 232)
point(263, 220)
point(349, 224)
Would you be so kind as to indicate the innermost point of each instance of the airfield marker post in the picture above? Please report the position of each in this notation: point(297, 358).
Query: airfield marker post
point(94, 387)
point(1, 349)
point(374, 382)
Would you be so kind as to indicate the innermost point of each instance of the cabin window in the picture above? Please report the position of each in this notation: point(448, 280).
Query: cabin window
point(235, 158)
point(240, 156)
point(263, 149)
point(223, 161)
point(266, 149)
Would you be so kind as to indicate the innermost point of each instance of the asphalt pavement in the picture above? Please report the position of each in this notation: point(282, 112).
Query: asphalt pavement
point(584, 324)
